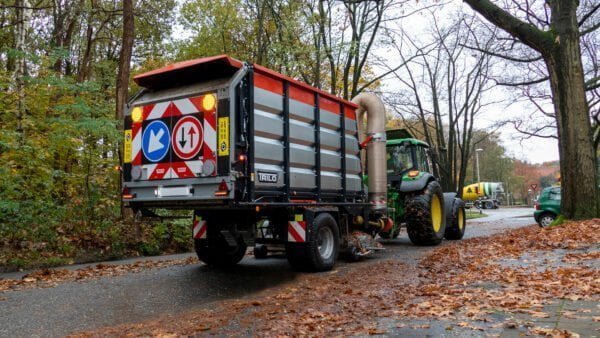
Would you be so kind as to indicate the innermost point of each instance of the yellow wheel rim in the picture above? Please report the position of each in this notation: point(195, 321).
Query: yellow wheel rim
point(461, 218)
point(436, 213)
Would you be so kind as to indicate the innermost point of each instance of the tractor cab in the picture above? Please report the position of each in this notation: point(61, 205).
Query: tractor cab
point(407, 158)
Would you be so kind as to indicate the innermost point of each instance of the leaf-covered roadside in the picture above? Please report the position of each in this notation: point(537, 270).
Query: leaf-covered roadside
point(461, 282)
point(70, 242)
point(45, 278)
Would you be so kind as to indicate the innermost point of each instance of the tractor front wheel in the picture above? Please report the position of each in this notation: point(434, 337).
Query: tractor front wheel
point(425, 218)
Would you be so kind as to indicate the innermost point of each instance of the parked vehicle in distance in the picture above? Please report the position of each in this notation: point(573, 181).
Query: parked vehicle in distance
point(547, 207)
point(484, 195)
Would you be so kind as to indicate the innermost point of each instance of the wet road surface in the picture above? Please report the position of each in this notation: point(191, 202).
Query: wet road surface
point(109, 301)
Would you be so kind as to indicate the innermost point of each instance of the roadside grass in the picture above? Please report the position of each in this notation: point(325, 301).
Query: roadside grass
point(472, 215)
point(558, 221)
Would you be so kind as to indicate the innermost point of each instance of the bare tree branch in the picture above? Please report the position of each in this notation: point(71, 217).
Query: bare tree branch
point(524, 83)
point(506, 57)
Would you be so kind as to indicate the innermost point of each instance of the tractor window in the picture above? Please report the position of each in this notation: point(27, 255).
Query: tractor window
point(399, 159)
point(422, 159)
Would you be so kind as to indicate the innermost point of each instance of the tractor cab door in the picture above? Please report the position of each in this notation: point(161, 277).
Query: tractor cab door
point(422, 159)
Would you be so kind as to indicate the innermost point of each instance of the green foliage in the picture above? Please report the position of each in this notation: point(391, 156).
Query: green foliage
point(560, 220)
point(59, 198)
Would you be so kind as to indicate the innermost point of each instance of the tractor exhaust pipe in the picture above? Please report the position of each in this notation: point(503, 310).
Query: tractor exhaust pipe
point(374, 138)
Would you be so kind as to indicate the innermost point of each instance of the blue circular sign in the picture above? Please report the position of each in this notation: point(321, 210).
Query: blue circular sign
point(156, 141)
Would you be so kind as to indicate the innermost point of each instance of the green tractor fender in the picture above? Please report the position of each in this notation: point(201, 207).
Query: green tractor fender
point(417, 183)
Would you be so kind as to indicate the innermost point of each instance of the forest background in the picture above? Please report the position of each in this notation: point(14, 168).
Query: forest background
point(66, 65)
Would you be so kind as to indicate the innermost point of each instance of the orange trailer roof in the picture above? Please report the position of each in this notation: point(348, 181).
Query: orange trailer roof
point(212, 68)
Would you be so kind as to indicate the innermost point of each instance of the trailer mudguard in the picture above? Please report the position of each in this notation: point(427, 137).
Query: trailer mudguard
point(416, 184)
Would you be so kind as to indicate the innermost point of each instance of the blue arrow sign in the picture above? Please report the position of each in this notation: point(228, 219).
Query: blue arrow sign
point(156, 141)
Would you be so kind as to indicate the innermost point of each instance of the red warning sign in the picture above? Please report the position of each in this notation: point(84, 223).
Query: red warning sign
point(188, 137)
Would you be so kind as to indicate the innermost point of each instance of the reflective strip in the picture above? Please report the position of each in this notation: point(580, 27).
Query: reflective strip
point(185, 169)
point(199, 228)
point(159, 172)
point(185, 107)
point(297, 232)
point(210, 137)
point(136, 144)
point(158, 110)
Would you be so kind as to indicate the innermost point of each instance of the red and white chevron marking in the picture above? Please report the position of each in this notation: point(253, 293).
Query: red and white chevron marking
point(185, 169)
point(136, 143)
point(210, 136)
point(297, 231)
point(160, 171)
point(199, 228)
point(179, 107)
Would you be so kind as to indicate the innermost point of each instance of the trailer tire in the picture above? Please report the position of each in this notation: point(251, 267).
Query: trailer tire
point(320, 251)
point(260, 251)
point(456, 223)
point(425, 216)
point(488, 205)
point(215, 251)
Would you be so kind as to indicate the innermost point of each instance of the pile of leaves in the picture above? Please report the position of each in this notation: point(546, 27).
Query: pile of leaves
point(521, 271)
point(464, 281)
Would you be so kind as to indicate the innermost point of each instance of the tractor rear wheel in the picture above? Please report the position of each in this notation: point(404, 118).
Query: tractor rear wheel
point(457, 222)
point(425, 218)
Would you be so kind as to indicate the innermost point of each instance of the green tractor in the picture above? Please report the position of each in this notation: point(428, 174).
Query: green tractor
point(415, 196)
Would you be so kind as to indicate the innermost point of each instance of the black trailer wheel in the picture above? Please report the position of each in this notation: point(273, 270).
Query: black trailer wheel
point(216, 252)
point(488, 205)
point(457, 222)
point(321, 250)
point(261, 251)
point(425, 216)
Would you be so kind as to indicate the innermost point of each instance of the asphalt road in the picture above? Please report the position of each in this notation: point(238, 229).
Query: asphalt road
point(72, 307)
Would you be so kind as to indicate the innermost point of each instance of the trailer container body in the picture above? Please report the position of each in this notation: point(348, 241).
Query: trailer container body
point(199, 123)
point(259, 157)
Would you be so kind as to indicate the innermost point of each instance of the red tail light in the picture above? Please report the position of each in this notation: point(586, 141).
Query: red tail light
point(537, 206)
point(223, 189)
point(126, 194)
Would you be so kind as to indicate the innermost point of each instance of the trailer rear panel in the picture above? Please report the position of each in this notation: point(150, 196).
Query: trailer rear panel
point(215, 131)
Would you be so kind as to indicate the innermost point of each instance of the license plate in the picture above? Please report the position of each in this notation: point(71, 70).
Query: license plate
point(174, 191)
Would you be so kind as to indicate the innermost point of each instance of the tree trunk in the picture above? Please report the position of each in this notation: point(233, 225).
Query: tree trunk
point(560, 48)
point(123, 74)
point(578, 160)
point(21, 67)
point(125, 58)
